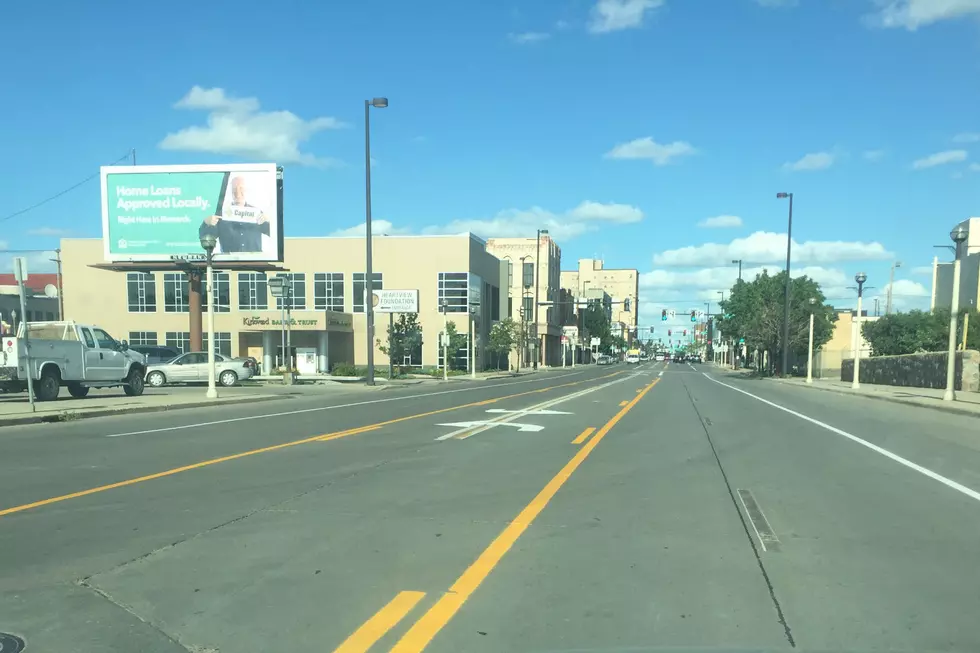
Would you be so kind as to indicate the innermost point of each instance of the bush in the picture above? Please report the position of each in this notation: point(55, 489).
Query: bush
point(345, 369)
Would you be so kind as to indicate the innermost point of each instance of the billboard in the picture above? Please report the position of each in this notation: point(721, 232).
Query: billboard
point(160, 213)
point(395, 301)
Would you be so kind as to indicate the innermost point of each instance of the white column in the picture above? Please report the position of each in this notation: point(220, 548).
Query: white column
point(323, 352)
point(268, 351)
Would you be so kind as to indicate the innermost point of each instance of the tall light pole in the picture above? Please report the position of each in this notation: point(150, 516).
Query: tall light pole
point(537, 287)
point(738, 262)
point(209, 242)
point(891, 284)
point(860, 277)
point(809, 352)
point(958, 236)
point(444, 307)
point(789, 250)
point(377, 103)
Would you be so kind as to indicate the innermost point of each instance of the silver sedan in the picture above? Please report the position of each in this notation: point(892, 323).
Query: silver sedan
point(193, 368)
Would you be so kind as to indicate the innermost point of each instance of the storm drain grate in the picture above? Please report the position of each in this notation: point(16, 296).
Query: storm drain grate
point(11, 643)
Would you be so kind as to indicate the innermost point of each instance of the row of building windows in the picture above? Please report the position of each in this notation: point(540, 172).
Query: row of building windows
point(181, 340)
point(457, 289)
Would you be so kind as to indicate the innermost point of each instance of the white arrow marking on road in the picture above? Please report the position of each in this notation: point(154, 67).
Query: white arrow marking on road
point(465, 426)
point(529, 412)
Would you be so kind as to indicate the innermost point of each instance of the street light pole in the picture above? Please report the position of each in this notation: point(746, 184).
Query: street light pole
point(860, 277)
point(445, 339)
point(738, 261)
point(809, 352)
point(208, 242)
point(378, 103)
point(958, 236)
point(891, 284)
point(537, 287)
point(789, 249)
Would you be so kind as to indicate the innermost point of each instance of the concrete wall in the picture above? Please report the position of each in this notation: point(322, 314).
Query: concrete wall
point(917, 370)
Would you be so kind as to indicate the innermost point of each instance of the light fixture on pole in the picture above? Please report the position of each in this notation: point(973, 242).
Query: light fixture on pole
point(789, 281)
point(209, 241)
point(860, 277)
point(958, 236)
point(444, 307)
point(809, 351)
point(377, 103)
point(473, 313)
point(891, 285)
point(738, 262)
point(537, 286)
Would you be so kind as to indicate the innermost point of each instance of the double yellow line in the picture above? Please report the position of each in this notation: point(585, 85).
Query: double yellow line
point(276, 447)
point(429, 624)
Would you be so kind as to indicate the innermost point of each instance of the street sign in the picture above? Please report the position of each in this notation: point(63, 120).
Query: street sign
point(277, 286)
point(20, 269)
point(700, 314)
point(595, 342)
point(741, 341)
point(672, 313)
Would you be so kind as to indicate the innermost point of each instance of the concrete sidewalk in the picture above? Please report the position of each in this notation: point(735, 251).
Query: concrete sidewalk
point(966, 403)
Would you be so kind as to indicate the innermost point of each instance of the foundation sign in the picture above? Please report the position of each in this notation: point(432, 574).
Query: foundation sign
point(395, 301)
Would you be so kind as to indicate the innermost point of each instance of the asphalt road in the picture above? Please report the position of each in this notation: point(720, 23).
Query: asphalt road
point(604, 509)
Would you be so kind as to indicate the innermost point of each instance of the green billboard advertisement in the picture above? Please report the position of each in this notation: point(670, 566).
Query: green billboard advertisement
point(160, 213)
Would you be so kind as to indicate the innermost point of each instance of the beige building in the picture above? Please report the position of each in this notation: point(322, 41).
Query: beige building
point(619, 284)
point(845, 342)
point(521, 256)
point(327, 321)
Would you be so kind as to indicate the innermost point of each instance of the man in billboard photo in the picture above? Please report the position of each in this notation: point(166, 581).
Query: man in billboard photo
point(240, 225)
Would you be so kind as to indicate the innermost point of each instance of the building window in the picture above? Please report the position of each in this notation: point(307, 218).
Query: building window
point(142, 337)
point(528, 275)
point(142, 290)
point(222, 343)
point(328, 291)
point(494, 303)
point(528, 315)
point(222, 291)
point(296, 282)
point(49, 316)
point(253, 291)
point(454, 291)
point(377, 283)
point(175, 292)
point(179, 340)
point(461, 359)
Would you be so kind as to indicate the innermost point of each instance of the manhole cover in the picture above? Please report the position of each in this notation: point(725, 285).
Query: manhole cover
point(10, 643)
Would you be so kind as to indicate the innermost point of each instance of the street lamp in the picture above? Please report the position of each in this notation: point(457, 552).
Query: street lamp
point(809, 353)
point(537, 287)
point(724, 353)
point(738, 262)
point(209, 242)
point(789, 249)
point(958, 236)
point(891, 285)
point(377, 103)
point(444, 307)
point(860, 277)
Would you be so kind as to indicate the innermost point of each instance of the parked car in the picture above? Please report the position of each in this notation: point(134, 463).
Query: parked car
point(78, 356)
point(192, 367)
point(156, 353)
point(604, 360)
point(632, 358)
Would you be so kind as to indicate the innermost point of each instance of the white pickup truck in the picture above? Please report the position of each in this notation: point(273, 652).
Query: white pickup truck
point(78, 356)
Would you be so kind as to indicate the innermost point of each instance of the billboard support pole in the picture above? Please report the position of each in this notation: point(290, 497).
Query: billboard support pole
point(289, 331)
point(194, 309)
point(391, 331)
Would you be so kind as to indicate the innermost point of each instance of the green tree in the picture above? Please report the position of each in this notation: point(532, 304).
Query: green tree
point(597, 326)
point(404, 338)
point(503, 338)
point(457, 343)
point(917, 331)
point(754, 311)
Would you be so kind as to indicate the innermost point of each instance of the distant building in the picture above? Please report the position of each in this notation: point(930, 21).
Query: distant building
point(844, 343)
point(942, 273)
point(42, 300)
point(619, 284)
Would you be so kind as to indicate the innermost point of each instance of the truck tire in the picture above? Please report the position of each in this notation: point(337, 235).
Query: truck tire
point(228, 378)
point(134, 383)
point(49, 385)
point(77, 390)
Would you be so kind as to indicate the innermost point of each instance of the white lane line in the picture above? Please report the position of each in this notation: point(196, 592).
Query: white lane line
point(661, 373)
point(533, 412)
point(948, 482)
point(231, 420)
point(531, 428)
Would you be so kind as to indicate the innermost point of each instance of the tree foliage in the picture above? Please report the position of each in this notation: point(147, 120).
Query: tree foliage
point(754, 311)
point(457, 343)
point(917, 331)
point(503, 338)
point(404, 337)
point(597, 326)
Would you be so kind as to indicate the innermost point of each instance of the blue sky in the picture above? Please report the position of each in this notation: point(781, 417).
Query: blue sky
point(623, 125)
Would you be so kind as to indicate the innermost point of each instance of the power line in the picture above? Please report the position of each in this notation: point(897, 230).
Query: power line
point(63, 192)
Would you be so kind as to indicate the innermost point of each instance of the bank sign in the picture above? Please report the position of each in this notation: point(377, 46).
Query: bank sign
point(395, 301)
point(160, 213)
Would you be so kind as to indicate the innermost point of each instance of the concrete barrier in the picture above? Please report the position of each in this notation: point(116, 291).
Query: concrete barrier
point(917, 370)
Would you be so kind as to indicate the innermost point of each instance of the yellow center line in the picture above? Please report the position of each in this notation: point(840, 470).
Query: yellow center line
point(384, 620)
point(584, 435)
point(430, 623)
point(275, 447)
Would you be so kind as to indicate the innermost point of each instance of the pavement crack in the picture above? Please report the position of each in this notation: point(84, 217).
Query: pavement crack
point(745, 527)
point(136, 615)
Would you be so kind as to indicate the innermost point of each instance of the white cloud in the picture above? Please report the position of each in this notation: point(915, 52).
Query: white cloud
point(768, 247)
point(584, 218)
point(528, 37)
point(967, 137)
point(48, 231)
point(378, 228)
point(647, 148)
point(913, 14)
point(873, 155)
point(923, 270)
point(811, 162)
point(36, 261)
point(615, 15)
point(236, 126)
point(940, 158)
point(905, 296)
point(721, 222)
point(974, 167)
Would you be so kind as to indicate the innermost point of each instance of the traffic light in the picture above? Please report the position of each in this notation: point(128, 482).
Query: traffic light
point(651, 329)
point(670, 332)
point(663, 315)
point(685, 332)
point(694, 316)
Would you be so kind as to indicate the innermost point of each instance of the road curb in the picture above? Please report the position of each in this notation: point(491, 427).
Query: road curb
point(72, 416)
point(894, 400)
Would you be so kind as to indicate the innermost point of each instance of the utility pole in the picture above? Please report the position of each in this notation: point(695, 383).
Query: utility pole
point(789, 282)
point(891, 284)
point(537, 288)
